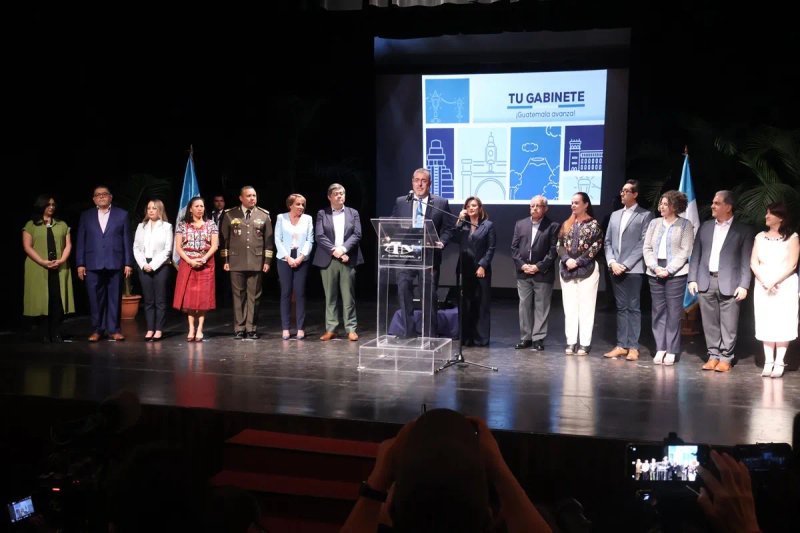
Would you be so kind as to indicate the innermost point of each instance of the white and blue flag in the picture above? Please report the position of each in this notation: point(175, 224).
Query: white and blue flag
point(691, 214)
point(190, 190)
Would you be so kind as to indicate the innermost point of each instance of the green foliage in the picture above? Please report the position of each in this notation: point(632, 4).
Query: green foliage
point(770, 159)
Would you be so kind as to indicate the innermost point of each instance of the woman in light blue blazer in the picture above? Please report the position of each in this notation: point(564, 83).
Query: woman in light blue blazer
point(294, 238)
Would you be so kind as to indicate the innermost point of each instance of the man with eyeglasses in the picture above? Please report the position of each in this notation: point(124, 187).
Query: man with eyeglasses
point(623, 247)
point(421, 205)
point(533, 249)
point(104, 253)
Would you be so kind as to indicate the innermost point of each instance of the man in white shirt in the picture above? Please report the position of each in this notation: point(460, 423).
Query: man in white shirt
point(719, 273)
point(338, 235)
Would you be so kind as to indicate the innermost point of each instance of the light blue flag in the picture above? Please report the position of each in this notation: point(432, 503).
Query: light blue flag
point(190, 190)
point(691, 214)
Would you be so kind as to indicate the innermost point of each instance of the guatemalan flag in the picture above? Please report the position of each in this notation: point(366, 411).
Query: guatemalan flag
point(687, 188)
point(190, 190)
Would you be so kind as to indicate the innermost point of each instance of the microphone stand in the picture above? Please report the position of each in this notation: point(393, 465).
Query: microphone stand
point(458, 357)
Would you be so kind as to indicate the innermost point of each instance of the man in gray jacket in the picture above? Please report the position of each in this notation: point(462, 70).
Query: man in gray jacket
point(623, 247)
point(719, 272)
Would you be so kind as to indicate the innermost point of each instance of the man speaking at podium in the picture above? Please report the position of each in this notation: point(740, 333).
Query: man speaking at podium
point(421, 205)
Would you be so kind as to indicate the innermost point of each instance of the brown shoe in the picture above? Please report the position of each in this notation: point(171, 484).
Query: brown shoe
point(353, 336)
point(711, 364)
point(117, 337)
point(328, 335)
point(723, 367)
point(94, 337)
point(633, 354)
point(616, 352)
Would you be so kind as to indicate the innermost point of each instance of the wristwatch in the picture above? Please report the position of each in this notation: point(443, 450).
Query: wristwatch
point(365, 491)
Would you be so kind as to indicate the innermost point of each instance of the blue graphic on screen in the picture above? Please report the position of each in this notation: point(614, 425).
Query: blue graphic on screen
point(482, 168)
point(583, 149)
point(535, 162)
point(447, 101)
point(439, 160)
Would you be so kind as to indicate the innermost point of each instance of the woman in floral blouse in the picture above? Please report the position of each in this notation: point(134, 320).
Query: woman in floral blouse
point(579, 242)
point(196, 241)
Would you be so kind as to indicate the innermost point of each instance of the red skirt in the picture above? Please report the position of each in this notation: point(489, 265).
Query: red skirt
point(194, 288)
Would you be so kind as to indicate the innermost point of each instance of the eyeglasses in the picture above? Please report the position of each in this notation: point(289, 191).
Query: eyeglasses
point(419, 180)
point(626, 191)
point(101, 194)
point(538, 206)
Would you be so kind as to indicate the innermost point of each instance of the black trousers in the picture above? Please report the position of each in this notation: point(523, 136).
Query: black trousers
point(154, 295)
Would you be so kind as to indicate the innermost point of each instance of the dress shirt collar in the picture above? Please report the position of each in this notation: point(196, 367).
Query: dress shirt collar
point(726, 223)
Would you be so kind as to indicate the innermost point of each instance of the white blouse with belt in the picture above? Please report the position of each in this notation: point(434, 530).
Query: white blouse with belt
point(153, 241)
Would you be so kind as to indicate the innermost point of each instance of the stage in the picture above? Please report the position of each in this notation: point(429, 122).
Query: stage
point(542, 393)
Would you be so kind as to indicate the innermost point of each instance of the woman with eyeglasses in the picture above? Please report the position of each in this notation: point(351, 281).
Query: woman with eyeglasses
point(48, 278)
point(667, 246)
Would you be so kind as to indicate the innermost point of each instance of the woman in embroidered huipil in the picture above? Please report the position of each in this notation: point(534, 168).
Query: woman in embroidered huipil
point(196, 241)
point(579, 242)
point(667, 246)
point(48, 278)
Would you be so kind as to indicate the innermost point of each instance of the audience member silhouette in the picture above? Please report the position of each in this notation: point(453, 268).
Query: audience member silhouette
point(440, 470)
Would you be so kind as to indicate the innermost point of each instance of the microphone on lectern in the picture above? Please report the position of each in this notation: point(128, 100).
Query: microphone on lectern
point(410, 195)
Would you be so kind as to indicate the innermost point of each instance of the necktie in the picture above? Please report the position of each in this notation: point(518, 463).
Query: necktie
point(419, 216)
point(247, 215)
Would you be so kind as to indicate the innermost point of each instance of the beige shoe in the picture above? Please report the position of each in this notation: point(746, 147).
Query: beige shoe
point(616, 352)
point(633, 354)
point(659, 358)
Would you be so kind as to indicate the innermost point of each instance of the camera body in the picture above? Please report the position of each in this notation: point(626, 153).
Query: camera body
point(21, 509)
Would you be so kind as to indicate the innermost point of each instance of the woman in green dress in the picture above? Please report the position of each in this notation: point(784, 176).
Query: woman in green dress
point(48, 278)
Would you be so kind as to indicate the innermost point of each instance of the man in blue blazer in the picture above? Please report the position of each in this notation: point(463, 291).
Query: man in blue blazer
point(624, 246)
point(533, 249)
point(338, 235)
point(422, 205)
point(719, 273)
point(103, 253)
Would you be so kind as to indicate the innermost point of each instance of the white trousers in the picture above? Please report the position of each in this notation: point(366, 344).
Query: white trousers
point(579, 298)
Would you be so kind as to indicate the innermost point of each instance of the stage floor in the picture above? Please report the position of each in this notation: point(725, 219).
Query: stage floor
point(532, 392)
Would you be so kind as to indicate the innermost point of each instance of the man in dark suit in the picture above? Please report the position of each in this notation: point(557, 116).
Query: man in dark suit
point(719, 272)
point(533, 249)
point(338, 235)
point(221, 279)
point(422, 205)
point(104, 252)
point(623, 248)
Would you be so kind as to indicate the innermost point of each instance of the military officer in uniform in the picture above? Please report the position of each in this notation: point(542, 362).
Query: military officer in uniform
point(247, 240)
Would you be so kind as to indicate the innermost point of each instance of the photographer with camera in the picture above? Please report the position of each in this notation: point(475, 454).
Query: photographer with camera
point(438, 474)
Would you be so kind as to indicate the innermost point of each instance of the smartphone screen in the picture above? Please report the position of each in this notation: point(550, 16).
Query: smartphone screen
point(641, 460)
point(21, 509)
point(657, 463)
point(764, 457)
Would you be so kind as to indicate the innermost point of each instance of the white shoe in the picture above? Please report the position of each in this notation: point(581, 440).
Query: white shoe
point(669, 359)
point(767, 372)
point(659, 357)
point(777, 371)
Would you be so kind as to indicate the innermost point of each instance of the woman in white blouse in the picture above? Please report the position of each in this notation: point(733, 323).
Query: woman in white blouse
point(152, 250)
point(294, 238)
